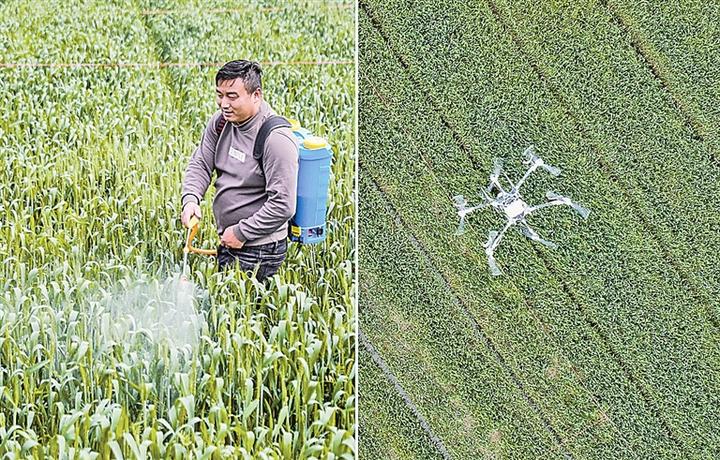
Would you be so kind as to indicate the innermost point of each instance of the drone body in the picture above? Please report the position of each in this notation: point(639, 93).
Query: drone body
point(511, 204)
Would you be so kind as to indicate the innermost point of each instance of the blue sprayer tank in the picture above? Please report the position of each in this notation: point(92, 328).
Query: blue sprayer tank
point(308, 224)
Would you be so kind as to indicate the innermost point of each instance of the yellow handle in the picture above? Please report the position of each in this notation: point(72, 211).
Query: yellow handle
point(194, 225)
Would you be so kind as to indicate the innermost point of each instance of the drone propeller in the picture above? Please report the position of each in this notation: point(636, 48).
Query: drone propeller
point(464, 209)
point(462, 205)
point(584, 212)
point(534, 160)
point(490, 245)
point(554, 170)
point(529, 155)
point(497, 168)
point(493, 241)
point(494, 269)
point(532, 234)
point(495, 176)
point(460, 202)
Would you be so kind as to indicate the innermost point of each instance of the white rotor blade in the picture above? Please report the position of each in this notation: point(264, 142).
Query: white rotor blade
point(583, 211)
point(460, 202)
point(461, 226)
point(532, 234)
point(554, 170)
point(495, 176)
point(494, 269)
point(529, 154)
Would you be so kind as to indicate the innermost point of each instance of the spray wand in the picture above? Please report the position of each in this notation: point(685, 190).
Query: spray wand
point(193, 227)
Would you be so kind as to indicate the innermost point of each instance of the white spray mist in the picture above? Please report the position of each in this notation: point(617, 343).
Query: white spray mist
point(164, 312)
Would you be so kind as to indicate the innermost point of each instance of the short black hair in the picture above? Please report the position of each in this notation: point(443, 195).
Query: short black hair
point(248, 71)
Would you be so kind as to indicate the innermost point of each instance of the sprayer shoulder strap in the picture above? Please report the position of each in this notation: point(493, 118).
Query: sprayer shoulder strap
point(270, 124)
point(219, 125)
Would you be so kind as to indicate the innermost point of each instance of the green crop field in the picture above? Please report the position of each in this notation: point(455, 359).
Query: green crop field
point(102, 353)
point(606, 347)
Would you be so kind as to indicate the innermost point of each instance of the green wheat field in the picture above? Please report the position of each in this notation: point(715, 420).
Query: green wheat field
point(607, 347)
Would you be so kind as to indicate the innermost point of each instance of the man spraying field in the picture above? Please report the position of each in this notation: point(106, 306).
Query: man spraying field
point(255, 156)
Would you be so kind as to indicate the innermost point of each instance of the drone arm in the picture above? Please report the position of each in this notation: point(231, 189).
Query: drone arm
point(546, 205)
point(463, 213)
point(532, 169)
point(495, 238)
point(475, 208)
point(532, 234)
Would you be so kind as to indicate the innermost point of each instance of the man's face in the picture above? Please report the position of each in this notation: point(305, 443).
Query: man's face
point(235, 102)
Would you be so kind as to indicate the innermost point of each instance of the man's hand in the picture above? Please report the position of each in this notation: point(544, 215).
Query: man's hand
point(230, 240)
point(190, 209)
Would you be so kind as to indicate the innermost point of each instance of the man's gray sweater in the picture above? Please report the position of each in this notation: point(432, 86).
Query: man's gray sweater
point(260, 204)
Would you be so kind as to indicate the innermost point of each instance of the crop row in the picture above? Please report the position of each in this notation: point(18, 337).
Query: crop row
point(514, 326)
point(181, 38)
point(680, 41)
point(438, 353)
point(53, 34)
point(188, 35)
point(639, 135)
point(388, 426)
point(507, 107)
point(415, 187)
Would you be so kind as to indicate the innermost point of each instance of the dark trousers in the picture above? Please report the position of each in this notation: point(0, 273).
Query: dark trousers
point(268, 256)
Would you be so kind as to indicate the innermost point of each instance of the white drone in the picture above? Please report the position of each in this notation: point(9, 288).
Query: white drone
point(511, 205)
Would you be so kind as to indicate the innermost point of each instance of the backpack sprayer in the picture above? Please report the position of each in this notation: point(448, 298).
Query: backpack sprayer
point(308, 225)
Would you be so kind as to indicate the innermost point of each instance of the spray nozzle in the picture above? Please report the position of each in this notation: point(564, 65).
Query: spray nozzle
point(193, 227)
